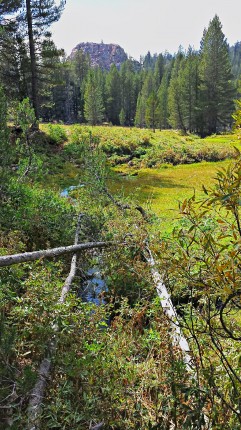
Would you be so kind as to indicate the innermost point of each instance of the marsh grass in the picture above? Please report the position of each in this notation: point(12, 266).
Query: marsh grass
point(161, 173)
point(143, 148)
point(162, 190)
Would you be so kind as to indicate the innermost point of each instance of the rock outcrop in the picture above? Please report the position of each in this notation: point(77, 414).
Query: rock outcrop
point(102, 54)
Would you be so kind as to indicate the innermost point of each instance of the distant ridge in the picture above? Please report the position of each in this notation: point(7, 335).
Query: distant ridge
point(102, 54)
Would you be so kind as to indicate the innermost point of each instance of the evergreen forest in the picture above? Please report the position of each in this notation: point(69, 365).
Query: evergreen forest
point(120, 233)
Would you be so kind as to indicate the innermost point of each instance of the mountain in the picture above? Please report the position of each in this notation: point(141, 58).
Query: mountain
point(102, 54)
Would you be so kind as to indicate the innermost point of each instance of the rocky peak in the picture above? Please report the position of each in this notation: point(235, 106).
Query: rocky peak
point(102, 54)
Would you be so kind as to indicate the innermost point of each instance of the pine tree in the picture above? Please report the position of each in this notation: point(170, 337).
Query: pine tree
point(189, 84)
point(129, 91)
point(159, 70)
point(152, 115)
point(149, 61)
point(163, 100)
point(50, 78)
point(140, 111)
point(79, 68)
point(217, 89)
point(7, 9)
point(113, 93)
point(175, 95)
point(68, 101)
point(14, 66)
point(40, 15)
point(29, 20)
point(93, 102)
point(122, 117)
point(147, 89)
point(235, 56)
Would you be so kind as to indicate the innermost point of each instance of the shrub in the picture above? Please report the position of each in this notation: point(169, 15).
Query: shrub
point(43, 217)
point(57, 134)
point(202, 269)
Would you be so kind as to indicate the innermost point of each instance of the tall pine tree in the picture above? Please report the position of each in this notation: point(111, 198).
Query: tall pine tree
point(29, 20)
point(163, 100)
point(93, 105)
point(152, 115)
point(189, 84)
point(129, 91)
point(217, 89)
point(176, 105)
point(113, 92)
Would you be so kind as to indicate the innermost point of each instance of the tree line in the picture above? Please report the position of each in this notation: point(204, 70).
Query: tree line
point(191, 91)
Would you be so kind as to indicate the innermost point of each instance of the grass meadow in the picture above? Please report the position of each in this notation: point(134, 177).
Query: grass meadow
point(161, 190)
point(157, 170)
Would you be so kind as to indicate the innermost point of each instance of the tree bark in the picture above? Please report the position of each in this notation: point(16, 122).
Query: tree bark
point(9, 260)
point(33, 62)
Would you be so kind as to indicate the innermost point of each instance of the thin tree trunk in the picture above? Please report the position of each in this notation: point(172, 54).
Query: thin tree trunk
point(71, 275)
point(33, 62)
point(9, 260)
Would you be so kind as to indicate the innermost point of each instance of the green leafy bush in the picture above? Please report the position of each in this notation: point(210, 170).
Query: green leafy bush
point(202, 269)
point(41, 215)
point(57, 134)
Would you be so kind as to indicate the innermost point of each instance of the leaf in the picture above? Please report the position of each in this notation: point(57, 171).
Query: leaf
point(205, 190)
point(220, 221)
point(237, 151)
point(192, 228)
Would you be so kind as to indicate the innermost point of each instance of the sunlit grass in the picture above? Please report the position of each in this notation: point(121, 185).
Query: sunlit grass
point(116, 136)
point(161, 190)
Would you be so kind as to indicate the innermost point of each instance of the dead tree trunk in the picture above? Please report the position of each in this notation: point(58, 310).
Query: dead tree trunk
point(177, 337)
point(9, 260)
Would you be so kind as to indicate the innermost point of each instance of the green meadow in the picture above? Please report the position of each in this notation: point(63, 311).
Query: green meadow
point(155, 170)
point(161, 190)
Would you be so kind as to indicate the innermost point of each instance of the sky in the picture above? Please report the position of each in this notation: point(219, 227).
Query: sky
point(139, 26)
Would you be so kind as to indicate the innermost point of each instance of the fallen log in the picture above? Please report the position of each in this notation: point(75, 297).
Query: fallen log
point(178, 338)
point(9, 260)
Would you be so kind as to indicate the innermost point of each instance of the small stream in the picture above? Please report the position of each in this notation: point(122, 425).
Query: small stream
point(66, 191)
point(93, 285)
